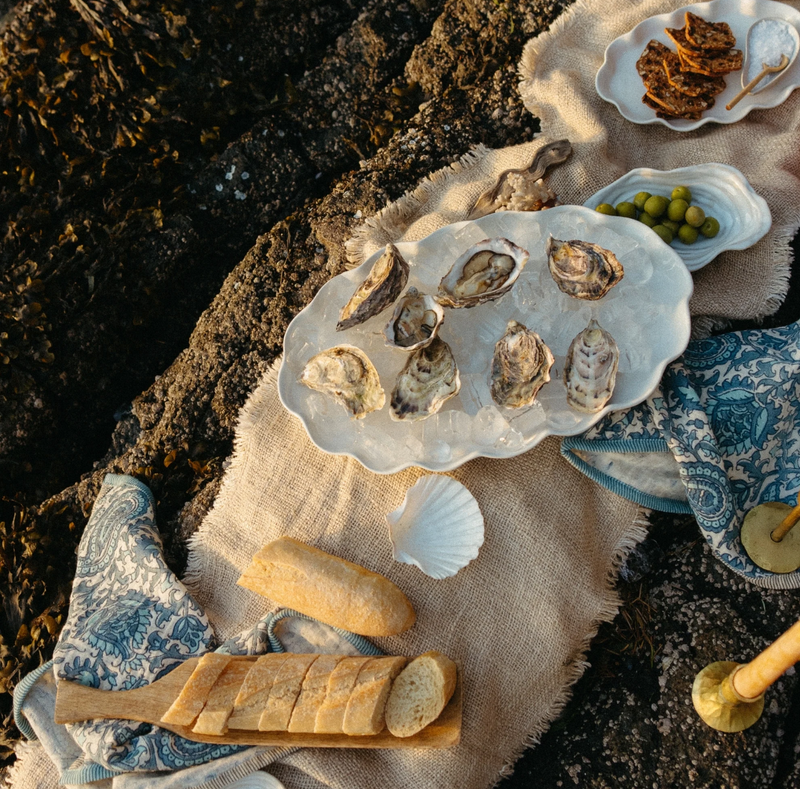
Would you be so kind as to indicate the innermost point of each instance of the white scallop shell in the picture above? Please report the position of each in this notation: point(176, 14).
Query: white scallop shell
point(257, 780)
point(438, 527)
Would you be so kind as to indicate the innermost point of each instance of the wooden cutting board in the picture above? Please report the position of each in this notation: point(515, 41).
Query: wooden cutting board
point(75, 702)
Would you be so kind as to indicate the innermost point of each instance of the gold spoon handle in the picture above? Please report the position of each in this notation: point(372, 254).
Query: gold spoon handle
point(783, 528)
point(753, 82)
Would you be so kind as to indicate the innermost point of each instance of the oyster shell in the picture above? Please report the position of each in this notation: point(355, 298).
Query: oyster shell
point(428, 379)
point(383, 285)
point(438, 527)
point(484, 272)
point(523, 189)
point(582, 269)
point(415, 321)
point(591, 369)
point(520, 366)
point(346, 374)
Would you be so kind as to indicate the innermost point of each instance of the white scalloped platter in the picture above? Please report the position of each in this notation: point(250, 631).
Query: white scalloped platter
point(647, 313)
point(618, 82)
point(720, 190)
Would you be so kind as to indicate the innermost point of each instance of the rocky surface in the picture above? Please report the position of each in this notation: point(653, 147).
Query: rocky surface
point(337, 113)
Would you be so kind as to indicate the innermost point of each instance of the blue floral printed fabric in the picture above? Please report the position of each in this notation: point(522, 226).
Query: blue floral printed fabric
point(130, 622)
point(727, 410)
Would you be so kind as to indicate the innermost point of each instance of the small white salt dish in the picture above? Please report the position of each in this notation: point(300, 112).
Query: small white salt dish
point(768, 39)
point(438, 527)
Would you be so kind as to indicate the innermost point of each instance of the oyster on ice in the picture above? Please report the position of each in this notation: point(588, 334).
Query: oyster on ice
point(383, 285)
point(428, 379)
point(582, 269)
point(484, 272)
point(520, 366)
point(591, 369)
point(347, 374)
point(415, 321)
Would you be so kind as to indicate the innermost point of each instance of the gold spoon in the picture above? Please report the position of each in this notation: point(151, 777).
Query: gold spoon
point(753, 82)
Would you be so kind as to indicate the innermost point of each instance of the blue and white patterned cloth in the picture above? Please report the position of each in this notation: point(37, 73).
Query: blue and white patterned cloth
point(727, 412)
point(131, 621)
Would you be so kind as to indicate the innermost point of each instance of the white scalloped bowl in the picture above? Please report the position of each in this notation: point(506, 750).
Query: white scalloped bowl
point(719, 189)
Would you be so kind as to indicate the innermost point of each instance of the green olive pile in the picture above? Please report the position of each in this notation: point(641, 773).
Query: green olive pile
point(668, 218)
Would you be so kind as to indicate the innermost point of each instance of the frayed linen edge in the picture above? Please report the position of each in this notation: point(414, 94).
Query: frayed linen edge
point(248, 419)
point(394, 218)
point(608, 610)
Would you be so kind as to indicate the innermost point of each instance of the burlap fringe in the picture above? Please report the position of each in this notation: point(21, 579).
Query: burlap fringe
point(395, 218)
point(610, 608)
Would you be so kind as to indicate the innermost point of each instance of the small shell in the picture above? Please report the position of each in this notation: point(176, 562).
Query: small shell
point(484, 272)
point(346, 374)
point(257, 780)
point(582, 269)
point(591, 369)
point(383, 285)
point(438, 527)
point(428, 379)
point(415, 322)
point(520, 366)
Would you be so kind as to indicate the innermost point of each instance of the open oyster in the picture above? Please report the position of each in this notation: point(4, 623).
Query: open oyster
point(484, 272)
point(523, 189)
point(591, 369)
point(383, 285)
point(520, 366)
point(347, 374)
point(430, 378)
point(581, 269)
point(415, 321)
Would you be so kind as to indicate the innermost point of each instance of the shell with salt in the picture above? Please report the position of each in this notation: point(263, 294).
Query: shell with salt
point(438, 527)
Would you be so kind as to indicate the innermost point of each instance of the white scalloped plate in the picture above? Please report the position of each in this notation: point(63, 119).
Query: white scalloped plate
point(719, 189)
point(618, 82)
point(647, 312)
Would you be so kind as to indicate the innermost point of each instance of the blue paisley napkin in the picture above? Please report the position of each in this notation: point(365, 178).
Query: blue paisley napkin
point(727, 412)
point(130, 622)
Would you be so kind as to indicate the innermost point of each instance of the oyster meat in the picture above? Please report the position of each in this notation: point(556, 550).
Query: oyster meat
point(581, 269)
point(346, 374)
point(430, 378)
point(383, 285)
point(484, 272)
point(523, 189)
point(415, 321)
point(591, 369)
point(520, 366)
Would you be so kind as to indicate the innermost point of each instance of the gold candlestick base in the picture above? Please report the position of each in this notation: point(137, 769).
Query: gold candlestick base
point(717, 701)
point(756, 537)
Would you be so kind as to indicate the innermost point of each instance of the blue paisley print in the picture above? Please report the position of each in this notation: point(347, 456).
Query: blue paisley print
point(728, 410)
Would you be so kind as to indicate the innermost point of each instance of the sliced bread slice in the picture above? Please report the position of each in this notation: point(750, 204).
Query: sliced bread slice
point(194, 693)
point(214, 717)
point(365, 709)
point(284, 693)
point(313, 692)
point(254, 693)
point(420, 693)
point(330, 716)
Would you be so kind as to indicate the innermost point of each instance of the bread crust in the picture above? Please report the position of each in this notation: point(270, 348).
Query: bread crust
point(330, 589)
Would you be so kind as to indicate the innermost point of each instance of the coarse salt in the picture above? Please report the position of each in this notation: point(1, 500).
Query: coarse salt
point(767, 41)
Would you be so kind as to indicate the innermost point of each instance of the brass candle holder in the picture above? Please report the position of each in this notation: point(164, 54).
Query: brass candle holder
point(769, 538)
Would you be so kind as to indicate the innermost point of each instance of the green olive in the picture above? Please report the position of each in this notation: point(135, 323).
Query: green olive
point(673, 226)
point(648, 220)
point(710, 227)
point(695, 216)
point(687, 234)
point(640, 199)
point(655, 205)
point(626, 209)
point(606, 208)
point(676, 210)
point(682, 193)
point(664, 232)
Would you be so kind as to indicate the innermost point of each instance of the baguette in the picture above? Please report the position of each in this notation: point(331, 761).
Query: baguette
point(365, 708)
point(330, 589)
point(284, 693)
point(214, 717)
point(420, 693)
point(312, 693)
point(255, 690)
point(192, 697)
point(330, 716)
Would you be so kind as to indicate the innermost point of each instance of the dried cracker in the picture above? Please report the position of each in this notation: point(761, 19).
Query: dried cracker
point(708, 35)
